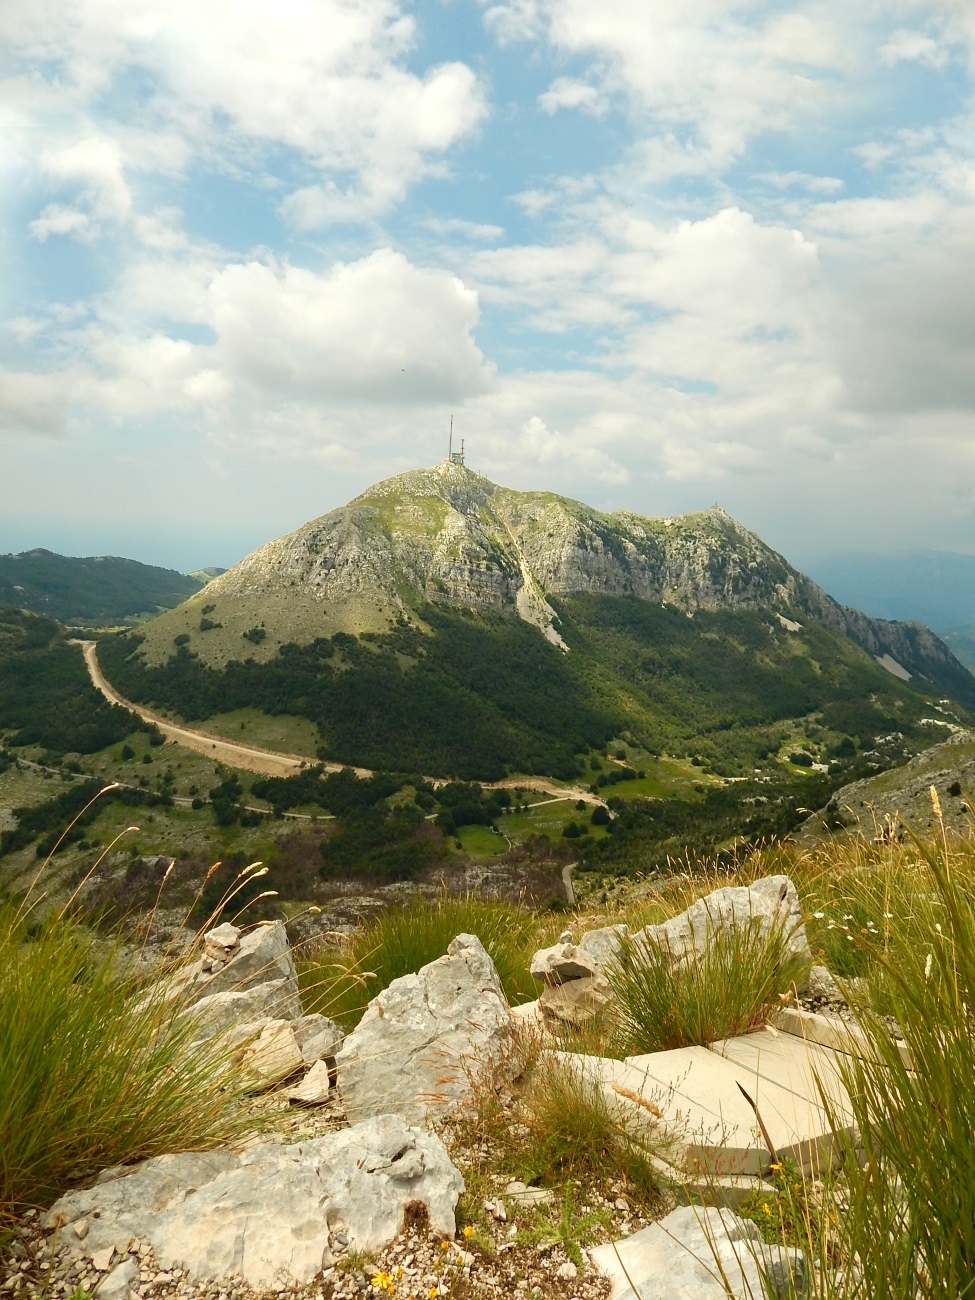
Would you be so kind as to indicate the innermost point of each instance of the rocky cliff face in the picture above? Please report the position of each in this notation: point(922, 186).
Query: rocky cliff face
point(446, 535)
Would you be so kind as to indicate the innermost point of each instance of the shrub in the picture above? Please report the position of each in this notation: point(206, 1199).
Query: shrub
point(726, 990)
point(400, 941)
point(801, 759)
point(600, 816)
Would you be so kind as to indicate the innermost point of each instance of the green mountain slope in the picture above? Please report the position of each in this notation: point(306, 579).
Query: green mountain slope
point(442, 624)
point(101, 589)
point(46, 696)
point(478, 694)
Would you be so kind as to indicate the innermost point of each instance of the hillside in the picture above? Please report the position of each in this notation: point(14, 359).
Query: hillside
point(46, 697)
point(887, 802)
point(446, 536)
point(100, 590)
point(443, 624)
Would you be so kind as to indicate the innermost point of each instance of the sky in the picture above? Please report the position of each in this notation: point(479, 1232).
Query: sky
point(653, 254)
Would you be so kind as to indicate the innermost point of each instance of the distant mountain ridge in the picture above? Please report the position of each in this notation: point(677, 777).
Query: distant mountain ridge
point(447, 536)
point(100, 589)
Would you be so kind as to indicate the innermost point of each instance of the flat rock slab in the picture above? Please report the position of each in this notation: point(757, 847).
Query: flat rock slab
point(270, 1214)
point(704, 1095)
point(788, 1062)
point(693, 1094)
point(830, 1031)
point(678, 1258)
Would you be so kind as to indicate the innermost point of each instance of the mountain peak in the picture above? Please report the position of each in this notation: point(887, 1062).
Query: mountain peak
point(445, 535)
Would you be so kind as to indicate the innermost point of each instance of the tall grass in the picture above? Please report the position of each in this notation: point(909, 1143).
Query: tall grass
point(573, 1134)
point(92, 1071)
point(340, 982)
point(896, 1217)
point(910, 1226)
point(89, 1078)
point(726, 989)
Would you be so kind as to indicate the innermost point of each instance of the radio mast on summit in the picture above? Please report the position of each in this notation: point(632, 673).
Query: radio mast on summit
point(455, 457)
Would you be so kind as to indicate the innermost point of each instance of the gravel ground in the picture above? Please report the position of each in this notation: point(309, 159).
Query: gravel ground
point(511, 1246)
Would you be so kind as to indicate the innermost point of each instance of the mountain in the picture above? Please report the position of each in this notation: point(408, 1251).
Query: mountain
point(99, 590)
point(934, 587)
point(448, 537)
point(440, 621)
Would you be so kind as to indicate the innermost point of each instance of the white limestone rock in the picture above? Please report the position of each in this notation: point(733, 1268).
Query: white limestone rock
point(576, 1002)
point(222, 942)
point(116, 1285)
point(422, 1038)
point(270, 1056)
point(562, 963)
point(769, 902)
point(674, 1259)
point(603, 945)
point(270, 1214)
point(218, 1013)
point(318, 1037)
point(313, 1090)
point(262, 956)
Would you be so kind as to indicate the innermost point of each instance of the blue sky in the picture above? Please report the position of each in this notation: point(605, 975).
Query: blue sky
point(649, 255)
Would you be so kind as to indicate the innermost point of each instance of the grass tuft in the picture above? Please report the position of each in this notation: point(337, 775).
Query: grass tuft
point(573, 1134)
point(728, 989)
point(340, 983)
point(92, 1076)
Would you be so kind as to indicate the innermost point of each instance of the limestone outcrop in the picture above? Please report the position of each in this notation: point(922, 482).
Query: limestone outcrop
point(270, 1214)
point(423, 1038)
point(769, 904)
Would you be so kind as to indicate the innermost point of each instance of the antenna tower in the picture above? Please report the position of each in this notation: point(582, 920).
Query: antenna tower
point(455, 457)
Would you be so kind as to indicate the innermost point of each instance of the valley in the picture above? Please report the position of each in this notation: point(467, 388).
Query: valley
point(700, 697)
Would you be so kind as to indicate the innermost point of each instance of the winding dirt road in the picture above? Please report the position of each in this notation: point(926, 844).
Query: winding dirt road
point(272, 762)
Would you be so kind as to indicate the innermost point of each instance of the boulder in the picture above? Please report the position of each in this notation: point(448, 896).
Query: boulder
point(262, 956)
point(317, 1037)
point(422, 1039)
point(270, 1054)
point(270, 1214)
point(769, 902)
point(685, 1255)
point(275, 1000)
point(576, 1002)
point(603, 945)
point(561, 963)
